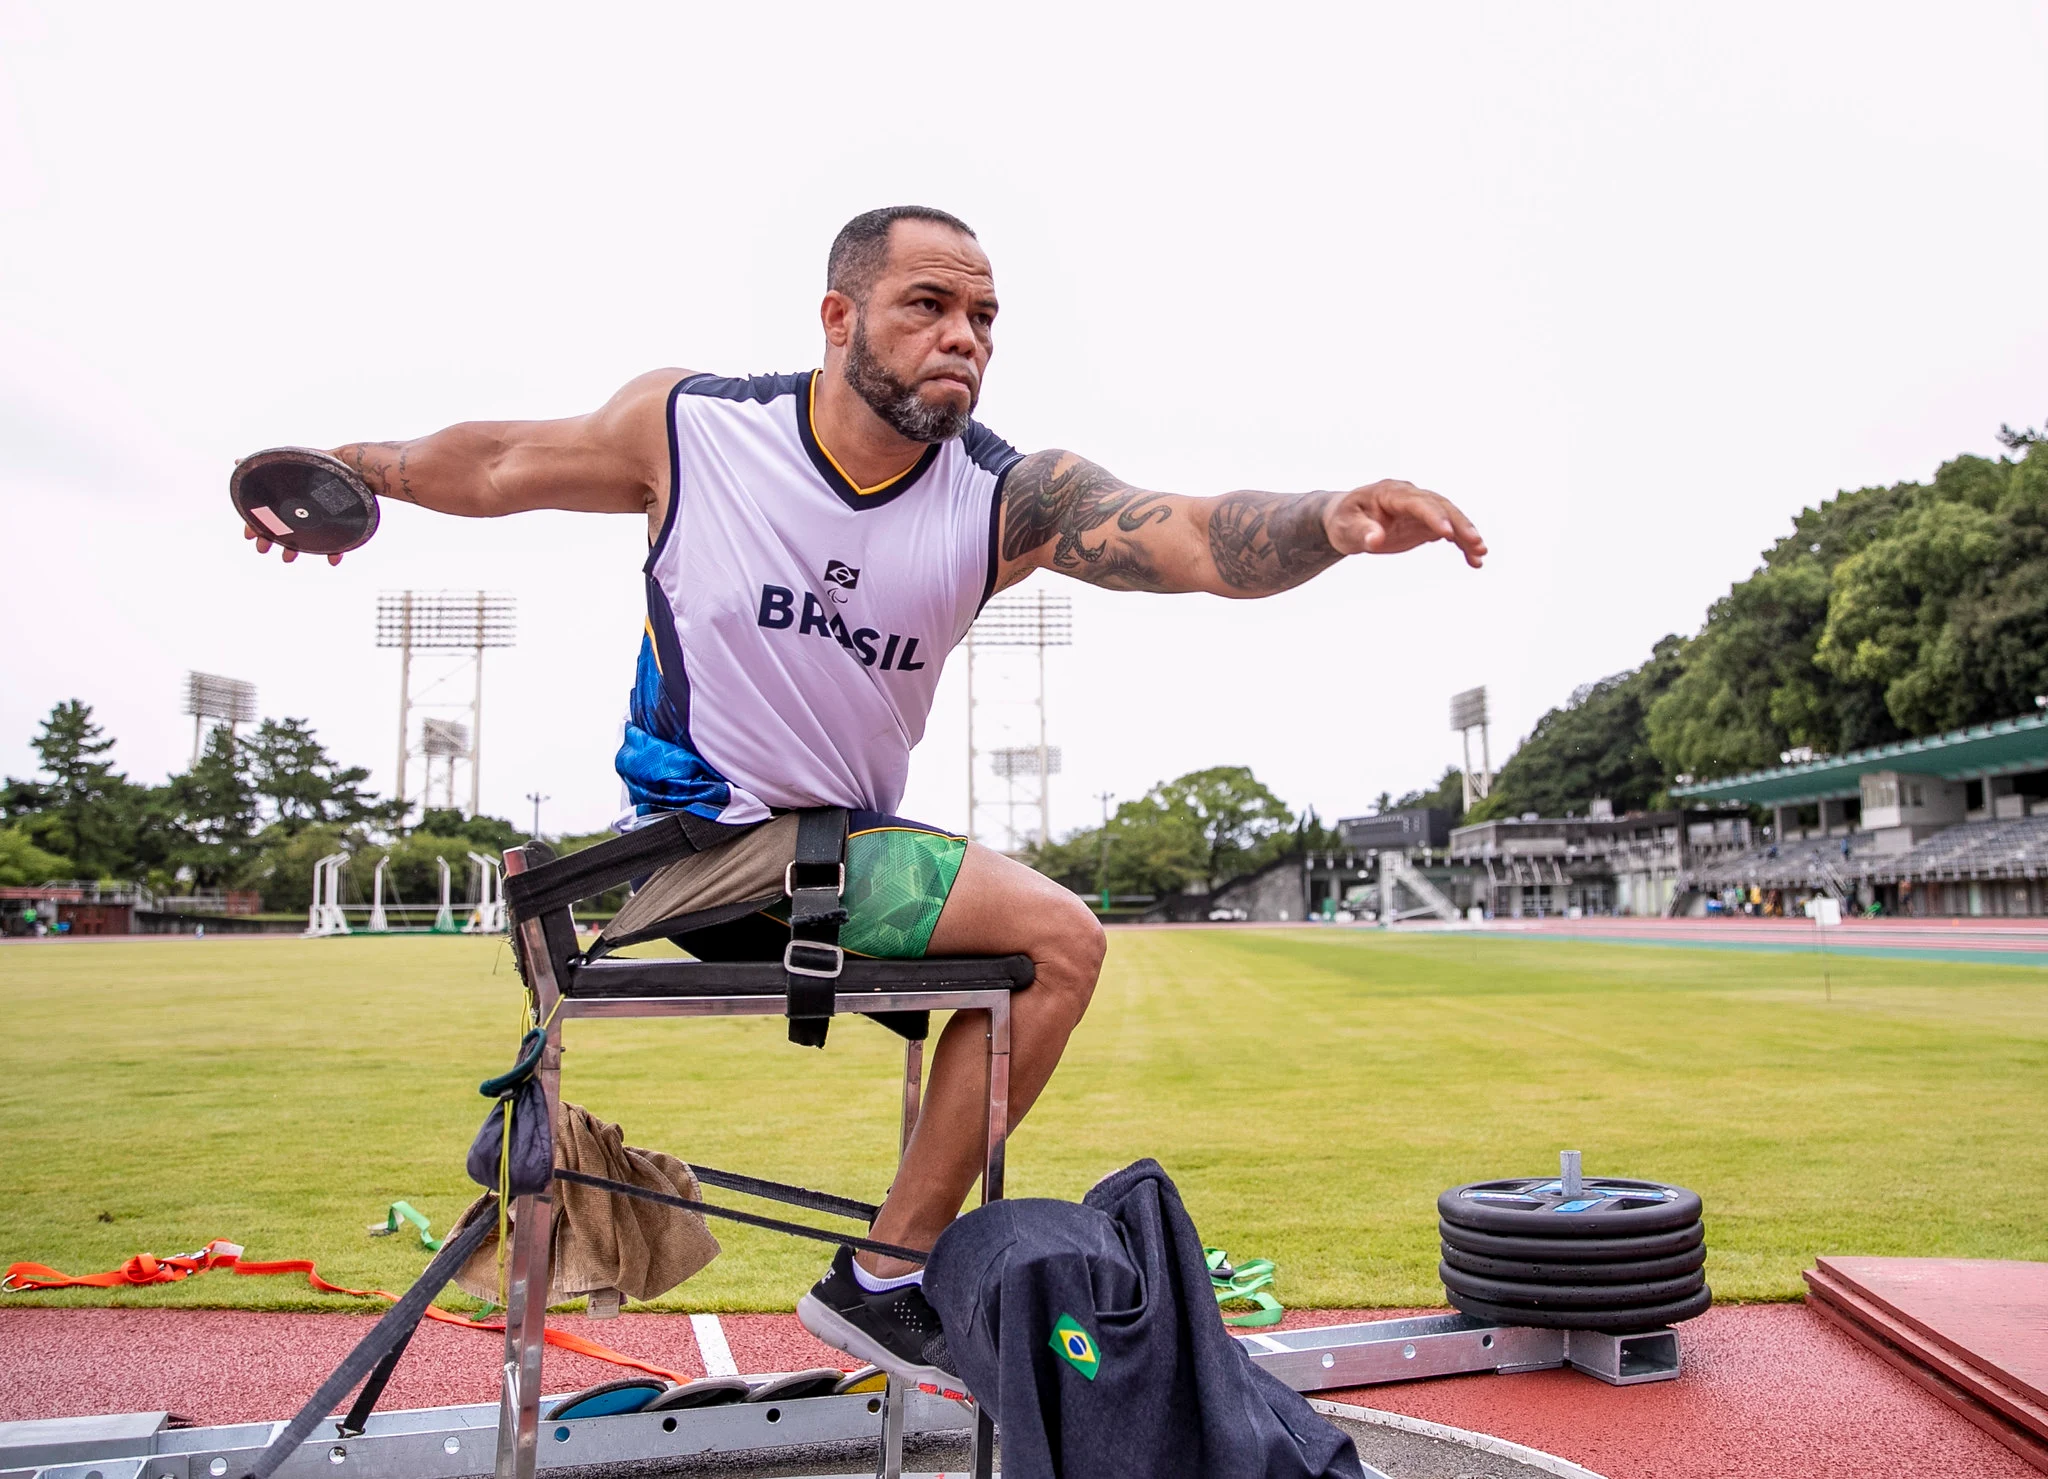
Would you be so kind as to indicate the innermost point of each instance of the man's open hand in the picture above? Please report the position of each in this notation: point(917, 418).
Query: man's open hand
point(263, 545)
point(1387, 517)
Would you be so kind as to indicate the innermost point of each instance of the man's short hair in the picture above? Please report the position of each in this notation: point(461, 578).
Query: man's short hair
point(861, 249)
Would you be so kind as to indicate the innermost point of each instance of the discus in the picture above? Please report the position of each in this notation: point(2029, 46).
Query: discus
point(303, 499)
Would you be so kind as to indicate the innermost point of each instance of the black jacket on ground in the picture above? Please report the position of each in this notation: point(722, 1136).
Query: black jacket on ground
point(1154, 1385)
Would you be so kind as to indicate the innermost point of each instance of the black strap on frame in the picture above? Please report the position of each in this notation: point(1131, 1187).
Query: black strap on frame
point(782, 1191)
point(554, 883)
point(358, 1420)
point(813, 958)
point(773, 1190)
point(391, 1332)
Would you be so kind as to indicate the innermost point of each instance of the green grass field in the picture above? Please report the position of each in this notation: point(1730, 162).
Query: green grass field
point(1311, 1092)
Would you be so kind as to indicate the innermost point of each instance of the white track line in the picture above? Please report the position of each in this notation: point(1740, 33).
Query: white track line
point(711, 1346)
point(1535, 1458)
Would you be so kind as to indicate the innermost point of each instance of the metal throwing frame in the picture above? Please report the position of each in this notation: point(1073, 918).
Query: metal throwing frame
point(527, 1259)
point(453, 1442)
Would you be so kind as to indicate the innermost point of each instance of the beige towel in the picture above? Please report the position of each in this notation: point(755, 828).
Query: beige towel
point(748, 867)
point(602, 1241)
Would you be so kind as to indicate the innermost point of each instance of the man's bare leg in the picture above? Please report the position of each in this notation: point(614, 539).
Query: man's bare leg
point(997, 907)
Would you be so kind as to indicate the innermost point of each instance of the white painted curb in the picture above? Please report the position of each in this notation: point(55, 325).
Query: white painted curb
point(1535, 1458)
point(711, 1345)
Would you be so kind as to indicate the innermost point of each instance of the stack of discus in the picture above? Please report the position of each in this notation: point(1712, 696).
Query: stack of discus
point(1572, 1253)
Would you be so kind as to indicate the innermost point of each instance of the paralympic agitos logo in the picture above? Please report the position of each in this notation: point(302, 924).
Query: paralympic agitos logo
point(779, 611)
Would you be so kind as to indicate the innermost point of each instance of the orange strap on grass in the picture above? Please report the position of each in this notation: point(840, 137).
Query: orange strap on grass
point(144, 1268)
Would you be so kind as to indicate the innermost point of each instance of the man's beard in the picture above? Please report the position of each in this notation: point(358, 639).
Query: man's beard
point(898, 404)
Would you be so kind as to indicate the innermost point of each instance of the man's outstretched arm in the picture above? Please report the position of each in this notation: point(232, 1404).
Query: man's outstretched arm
point(614, 460)
point(1062, 512)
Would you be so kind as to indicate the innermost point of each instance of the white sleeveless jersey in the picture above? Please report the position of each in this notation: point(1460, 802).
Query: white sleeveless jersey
point(797, 624)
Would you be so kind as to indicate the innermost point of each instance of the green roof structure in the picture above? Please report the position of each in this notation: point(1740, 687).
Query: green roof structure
point(2003, 748)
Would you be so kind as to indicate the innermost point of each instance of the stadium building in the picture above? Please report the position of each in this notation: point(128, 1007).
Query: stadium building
point(1600, 863)
point(1953, 824)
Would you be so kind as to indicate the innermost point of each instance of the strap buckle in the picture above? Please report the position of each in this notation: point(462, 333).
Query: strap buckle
point(789, 883)
point(834, 953)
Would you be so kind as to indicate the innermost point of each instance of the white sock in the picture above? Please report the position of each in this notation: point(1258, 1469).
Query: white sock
point(876, 1284)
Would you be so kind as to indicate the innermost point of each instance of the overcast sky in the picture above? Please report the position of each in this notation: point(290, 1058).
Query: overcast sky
point(1631, 285)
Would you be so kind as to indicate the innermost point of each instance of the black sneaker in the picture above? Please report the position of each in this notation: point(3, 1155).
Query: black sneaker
point(897, 1330)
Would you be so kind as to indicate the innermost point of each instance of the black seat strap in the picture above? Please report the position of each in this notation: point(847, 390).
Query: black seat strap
point(751, 1219)
point(552, 883)
point(813, 958)
point(358, 1420)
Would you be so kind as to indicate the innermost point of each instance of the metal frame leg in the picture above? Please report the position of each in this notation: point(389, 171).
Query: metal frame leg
point(895, 1402)
point(896, 1397)
point(529, 1272)
point(981, 1455)
point(998, 1101)
point(913, 1091)
point(526, 1312)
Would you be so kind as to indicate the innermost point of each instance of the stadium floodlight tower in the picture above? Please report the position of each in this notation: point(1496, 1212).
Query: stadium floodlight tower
point(446, 740)
point(1468, 712)
point(227, 701)
point(464, 622)
point(1010, 762)
point(1029, 621)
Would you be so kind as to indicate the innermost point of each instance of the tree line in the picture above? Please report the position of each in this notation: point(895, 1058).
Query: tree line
point(1885, 614)
point(1192, 833)
point(257, 810)
point(254, 813)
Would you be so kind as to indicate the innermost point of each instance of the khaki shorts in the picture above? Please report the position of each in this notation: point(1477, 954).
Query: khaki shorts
point(899, 874)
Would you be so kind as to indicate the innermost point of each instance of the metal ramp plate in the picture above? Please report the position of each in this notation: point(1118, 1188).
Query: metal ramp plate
point(26, 1444)
point(1378, 1351)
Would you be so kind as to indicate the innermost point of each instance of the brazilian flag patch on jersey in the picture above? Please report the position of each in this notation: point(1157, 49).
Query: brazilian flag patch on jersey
point(1076, 1346)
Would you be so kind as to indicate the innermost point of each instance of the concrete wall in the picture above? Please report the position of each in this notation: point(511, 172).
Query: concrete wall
point(1276, 892)
point(1897, 798)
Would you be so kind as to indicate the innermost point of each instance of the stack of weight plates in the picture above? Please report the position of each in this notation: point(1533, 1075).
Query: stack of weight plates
point(1620, 1256)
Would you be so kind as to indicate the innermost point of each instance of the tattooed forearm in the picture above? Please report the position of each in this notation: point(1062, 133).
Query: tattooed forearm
point(1268, 542)
point(1064, 513)
point(385, 466)
point(1059, 499)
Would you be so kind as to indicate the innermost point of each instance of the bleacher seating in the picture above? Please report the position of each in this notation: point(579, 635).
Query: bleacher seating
point(1803, 862)
point(2016, 848)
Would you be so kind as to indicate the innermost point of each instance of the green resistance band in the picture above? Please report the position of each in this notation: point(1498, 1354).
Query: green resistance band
point(1244, 1283)
point(402, 1212)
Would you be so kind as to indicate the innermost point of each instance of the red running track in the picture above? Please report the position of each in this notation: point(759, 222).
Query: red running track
point(1767, 1390)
